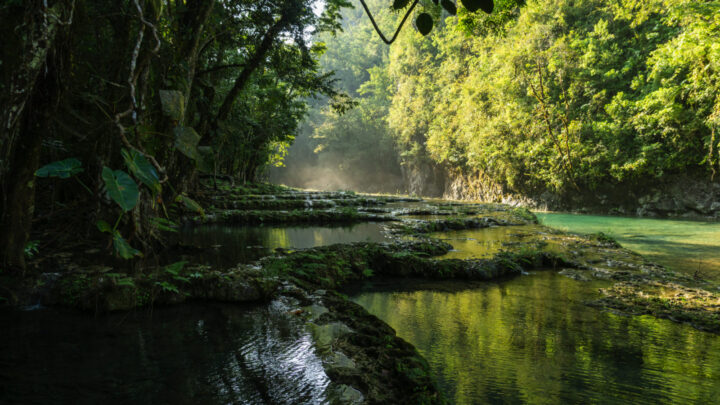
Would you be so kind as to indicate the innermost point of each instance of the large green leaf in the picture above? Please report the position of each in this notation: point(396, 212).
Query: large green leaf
point(121, 188)
point(424, 23)
point(186, 141)
point(475, 5)
point(175, 268)
point(63, 169)
point(142, 169)
point(122, 247)
point(104, 227)
point(164, 224)
point(173, 104)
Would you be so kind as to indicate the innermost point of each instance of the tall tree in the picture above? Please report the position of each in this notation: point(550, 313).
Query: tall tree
point(115, 92)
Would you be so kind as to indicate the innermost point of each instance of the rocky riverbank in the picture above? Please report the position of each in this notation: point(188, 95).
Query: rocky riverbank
point(361, 354)
point(692, 196)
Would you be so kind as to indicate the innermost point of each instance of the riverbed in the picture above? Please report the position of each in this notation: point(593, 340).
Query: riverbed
point(530, 339)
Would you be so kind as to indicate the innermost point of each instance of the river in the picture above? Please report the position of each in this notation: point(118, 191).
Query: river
point(526, 340)
point(533, 340)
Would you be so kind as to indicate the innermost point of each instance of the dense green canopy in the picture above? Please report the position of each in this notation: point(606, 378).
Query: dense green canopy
point(552, 95)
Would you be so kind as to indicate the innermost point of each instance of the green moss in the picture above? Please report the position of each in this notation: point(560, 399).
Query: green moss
point(73, 289)
point(451, 224)
point(605, 239)
point(247, 188)
point(389, 370)
point(698, 307)
point(525, 215)
point(344, 215)
point(333, 266)
point(301, 202)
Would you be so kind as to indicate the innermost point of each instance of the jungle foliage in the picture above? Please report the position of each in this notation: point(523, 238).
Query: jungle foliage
point(124, 103)
point(353, 149)
point(110, 110)
point(546, 95)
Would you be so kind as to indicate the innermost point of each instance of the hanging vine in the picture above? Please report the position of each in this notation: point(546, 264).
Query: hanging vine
point(399, 28)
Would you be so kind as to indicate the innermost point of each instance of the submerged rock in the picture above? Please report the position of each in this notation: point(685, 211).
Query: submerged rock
point(339, 360)
point(315, 311)
point(345, 394)
point(697, 307)
point(574, 274)
point(326, 335)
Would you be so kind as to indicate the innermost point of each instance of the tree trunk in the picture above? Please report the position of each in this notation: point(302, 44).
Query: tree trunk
point(25, 120)
point(190, 51)
point(252, 64)
point(193, 24)
point(20, 183)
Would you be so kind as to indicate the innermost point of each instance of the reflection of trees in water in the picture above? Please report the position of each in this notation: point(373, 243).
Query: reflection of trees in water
point(532, 338)
point(243, 244)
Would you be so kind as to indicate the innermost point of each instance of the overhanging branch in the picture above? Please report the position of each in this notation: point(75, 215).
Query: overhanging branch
point(377, 29)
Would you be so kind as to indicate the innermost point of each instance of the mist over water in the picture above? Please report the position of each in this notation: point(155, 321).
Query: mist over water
point(330, 179)
point(306, 169)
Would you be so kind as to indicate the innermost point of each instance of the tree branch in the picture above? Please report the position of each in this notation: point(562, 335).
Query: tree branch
point(220, 67)
point(252, 64)
point(377, 29)
point(132, 82)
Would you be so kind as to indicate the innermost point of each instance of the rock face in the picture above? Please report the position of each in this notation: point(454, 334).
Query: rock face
point(424, 179)
point(685, 197)
point(675, 196)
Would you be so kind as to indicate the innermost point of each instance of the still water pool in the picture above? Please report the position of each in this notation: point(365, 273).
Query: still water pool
point(225, 245)
point(687, 246)
point(532, 340)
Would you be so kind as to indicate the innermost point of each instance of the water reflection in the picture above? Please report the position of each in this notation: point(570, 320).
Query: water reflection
point(209, 354)
point(687, 246)
point(228, 245)
point(532, 340)
point(486, 242)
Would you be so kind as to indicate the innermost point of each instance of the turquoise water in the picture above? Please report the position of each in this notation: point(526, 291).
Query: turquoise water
point(687, 246)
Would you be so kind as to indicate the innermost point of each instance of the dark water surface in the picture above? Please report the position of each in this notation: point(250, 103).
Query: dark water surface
point(190, 354)
point(227, 245)
point(532, 340)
